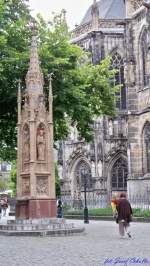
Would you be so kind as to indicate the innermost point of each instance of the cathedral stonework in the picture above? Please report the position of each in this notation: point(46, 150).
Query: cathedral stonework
point(119, 158)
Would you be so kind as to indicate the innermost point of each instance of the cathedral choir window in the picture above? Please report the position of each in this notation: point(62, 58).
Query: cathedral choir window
point(146, 159)
point(119, 175)
point(143, 57)
point(117, 63)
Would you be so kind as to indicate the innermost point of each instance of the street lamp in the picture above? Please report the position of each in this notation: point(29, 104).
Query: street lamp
point(84, 176)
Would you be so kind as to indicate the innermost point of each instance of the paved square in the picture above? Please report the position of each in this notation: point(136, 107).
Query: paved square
point(101, 241)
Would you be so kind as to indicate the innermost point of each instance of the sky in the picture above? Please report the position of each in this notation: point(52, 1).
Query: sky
point(76, 9)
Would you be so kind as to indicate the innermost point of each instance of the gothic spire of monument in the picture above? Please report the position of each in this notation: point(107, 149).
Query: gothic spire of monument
point(95, 15)
point(34, 77)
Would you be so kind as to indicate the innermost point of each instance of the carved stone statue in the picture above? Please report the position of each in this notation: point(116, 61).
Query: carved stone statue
point(41, 103)
point(26, 145)
point(40, 143)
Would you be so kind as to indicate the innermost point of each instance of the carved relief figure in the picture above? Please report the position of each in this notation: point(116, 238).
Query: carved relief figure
point(42, 185)
point(26, 144)
point(41, 143)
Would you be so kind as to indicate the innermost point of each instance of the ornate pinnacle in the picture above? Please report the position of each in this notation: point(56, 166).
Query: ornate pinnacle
point(34, 74)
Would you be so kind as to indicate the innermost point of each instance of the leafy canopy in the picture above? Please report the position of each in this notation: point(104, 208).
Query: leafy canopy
point(81, 91)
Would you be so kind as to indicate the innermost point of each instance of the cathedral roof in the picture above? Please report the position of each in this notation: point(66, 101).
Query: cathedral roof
point(108, 9)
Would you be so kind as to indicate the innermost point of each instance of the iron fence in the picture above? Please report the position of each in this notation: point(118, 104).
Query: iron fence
point(101, 201)
point(140, 201)
point(93, 201)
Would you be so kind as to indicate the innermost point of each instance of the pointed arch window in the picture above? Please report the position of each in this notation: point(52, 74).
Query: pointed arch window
point(143, 57)
point(146, 150)
point(117, 63)
point(119, 175)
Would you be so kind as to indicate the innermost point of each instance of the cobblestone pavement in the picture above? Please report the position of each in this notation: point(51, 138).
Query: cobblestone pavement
point(100, 242)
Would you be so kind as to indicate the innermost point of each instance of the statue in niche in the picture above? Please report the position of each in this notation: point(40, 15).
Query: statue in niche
point(41, 143)
point(26, 146)
point(41, 103)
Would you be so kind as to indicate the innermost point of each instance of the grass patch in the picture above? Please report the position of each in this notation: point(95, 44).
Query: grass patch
point(106, 212)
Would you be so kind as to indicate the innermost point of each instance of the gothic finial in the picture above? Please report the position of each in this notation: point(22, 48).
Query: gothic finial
point(64, 13)
point(33, 27)
point(50, 83)
point(95, 15)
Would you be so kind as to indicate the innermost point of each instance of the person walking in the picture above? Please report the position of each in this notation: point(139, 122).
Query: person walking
point(114, 203)
point(124, 211)
point(59, 209)
point(4, 205)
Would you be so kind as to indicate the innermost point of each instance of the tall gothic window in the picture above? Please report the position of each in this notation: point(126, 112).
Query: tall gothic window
point(80, 179)
point(143, 57)
point(146, 150)
point(119, 175)
point(117, 63)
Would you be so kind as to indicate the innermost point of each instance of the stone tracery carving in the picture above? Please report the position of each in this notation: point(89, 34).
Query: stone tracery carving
point(41, 143)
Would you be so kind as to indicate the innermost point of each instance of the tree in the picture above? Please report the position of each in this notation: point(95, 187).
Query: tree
point(13, 178)
point(57, 182)
point(14, 54)
point(81, 91)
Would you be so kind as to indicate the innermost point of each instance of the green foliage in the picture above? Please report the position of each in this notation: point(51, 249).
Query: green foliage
point(81, 91)
point(2, 184)
point(57, 182)
point(14, 42)
point(13, 178)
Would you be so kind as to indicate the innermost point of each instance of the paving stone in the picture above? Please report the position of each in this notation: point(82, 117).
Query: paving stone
point(100, 242)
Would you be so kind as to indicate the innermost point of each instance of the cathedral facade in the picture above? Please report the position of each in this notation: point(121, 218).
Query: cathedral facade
point(119, 158)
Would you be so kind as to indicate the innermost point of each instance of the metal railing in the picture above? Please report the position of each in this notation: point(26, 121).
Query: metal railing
point(93, 201)
point(101, 201)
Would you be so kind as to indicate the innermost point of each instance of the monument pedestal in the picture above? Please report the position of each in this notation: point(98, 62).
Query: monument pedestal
point(36, 208)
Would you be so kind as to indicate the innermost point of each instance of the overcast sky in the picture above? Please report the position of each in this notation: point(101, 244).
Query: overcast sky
point(75, 9)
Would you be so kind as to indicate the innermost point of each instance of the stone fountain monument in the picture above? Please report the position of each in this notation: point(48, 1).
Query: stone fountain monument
point(36, 200)
point(35, 164)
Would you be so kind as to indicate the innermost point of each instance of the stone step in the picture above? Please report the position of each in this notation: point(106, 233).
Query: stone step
point(45, 221)
point(59, 232)
point(32, 227)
